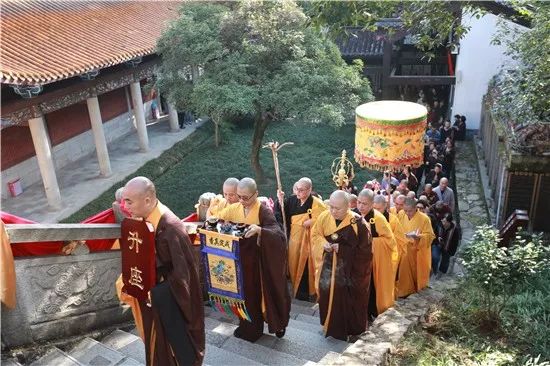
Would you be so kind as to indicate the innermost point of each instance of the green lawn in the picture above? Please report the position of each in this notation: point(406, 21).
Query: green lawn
point(195, 166)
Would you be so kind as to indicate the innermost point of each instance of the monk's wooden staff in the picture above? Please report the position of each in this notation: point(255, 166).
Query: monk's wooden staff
point(275, 147)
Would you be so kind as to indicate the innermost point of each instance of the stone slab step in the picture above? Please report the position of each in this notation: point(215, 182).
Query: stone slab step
point(10, 362)
point(300, 350)
point(217, 356)
point(261, 354)
point(91, 352)
point(329, 358)
point(314, 320)
point(130, 362)
point(126, 343)
point(56, 357)
point(307, 310)
point(308, 327)
point(305, 304)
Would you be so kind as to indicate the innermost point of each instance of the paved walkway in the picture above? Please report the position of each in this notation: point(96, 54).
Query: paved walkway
point(80, 182)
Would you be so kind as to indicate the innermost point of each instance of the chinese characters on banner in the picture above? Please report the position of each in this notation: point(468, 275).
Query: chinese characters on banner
point(137, 245)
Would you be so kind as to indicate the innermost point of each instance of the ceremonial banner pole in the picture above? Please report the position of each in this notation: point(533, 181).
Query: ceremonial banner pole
point(275, 147)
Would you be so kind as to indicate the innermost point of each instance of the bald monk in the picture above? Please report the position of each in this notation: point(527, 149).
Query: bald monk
point(343, 252)
point(414, 273)
point(264, 264)
point(384, 255)
point(229, 197)
point(381, 204)
point(172, 324)
point(302, 211)
point(398, 204)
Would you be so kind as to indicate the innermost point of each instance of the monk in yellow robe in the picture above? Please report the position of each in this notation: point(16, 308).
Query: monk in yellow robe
point(229, 197)
point(384, 255)
point(415, 268)
point(398, 204)
point(343, 254)
point(263, 254)
point(381, 204)
point(301, 212)
point(7, 270)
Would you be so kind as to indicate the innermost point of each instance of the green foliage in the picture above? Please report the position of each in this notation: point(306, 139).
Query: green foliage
point(524, 90)
point(501, 271)
point(193, 166)
point(259, 57)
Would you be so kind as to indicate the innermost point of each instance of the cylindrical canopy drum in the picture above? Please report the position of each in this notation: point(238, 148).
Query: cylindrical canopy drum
point(389, 134)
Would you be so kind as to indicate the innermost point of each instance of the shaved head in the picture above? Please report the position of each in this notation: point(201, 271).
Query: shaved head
point(248, 184)
point(231, 182)
point(247, 192)
point(305, 182)
point(410, 202)
point(303, 188)
point(339, 204)
point(409, 207)
point(140, 197)
point(367, 194)
point(365, 201)
point(398, 202)
point(230, 190)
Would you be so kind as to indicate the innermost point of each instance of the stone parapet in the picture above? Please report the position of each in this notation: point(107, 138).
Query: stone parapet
point(62, 296)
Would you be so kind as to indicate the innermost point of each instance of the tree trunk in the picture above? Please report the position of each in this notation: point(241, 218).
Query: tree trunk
point(260, 125)
point(216, 133)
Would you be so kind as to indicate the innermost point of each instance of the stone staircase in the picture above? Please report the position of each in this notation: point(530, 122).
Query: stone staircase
point(303, 344)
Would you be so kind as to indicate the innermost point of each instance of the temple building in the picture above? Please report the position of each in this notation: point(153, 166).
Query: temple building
point(72, 82)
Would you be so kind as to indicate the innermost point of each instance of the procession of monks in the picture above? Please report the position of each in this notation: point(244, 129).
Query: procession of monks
point(354, 263)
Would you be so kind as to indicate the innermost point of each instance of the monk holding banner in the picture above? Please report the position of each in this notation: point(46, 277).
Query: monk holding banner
point(343, 252)
point(263, 256)
point(302, 211)
point(171, 322)
point(385, 256)
point(229, 197)
point(414, 274)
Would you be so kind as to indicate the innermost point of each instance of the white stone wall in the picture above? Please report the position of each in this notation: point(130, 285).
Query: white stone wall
point(67, 152)
point(477, 62)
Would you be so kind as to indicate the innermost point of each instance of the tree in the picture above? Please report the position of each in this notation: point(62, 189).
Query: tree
point(269, 63)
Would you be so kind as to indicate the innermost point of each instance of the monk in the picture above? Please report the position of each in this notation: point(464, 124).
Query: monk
point(343, 252)
point(414, 274)
point(229, 197)
point(381, 205)
point(302, 211)
point(384, 255)
point(172, 322)
point(264, 264)
point(398, 204)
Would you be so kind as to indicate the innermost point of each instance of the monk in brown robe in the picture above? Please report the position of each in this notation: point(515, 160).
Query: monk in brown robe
point(263, 255)
point(172, 322)
point(301, 210)
point(343, 252)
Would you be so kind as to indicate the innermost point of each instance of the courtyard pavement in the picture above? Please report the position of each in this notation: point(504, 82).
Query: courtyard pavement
point(80, 182)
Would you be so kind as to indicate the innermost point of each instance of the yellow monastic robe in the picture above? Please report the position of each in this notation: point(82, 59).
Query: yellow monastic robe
point(384, 262)
point(393, 210)
point(300, 246)
point(418, 260)
point(153, 219)
point(7, 270)
point(402, 243)
point(217, 204)
point(325, 226)
point(235, 213)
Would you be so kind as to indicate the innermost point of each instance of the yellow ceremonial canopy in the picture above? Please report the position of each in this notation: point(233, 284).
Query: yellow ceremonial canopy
point(389, 134)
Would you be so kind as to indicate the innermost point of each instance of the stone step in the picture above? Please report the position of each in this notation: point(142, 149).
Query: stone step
point(259, 353)
point(126, 343)
point(91, 352)
point(305, 304)
point(307, 310)
point(217, 356)
point(56, 357)
point(329, 358)
point(301, 348)
point(10, 362)
point(308, 327)
point(314, 320)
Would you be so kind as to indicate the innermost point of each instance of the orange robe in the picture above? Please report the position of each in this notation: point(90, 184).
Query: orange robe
point(414, 274)
point(300, 246)
point(402, 243)
point(384, 261)
point(217, 204)
point(7, 270)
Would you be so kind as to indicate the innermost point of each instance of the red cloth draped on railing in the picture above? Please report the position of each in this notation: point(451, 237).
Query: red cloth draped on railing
point(54, 247)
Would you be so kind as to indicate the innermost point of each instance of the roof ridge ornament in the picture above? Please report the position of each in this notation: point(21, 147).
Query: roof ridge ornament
point(134, 62)
point(27, 91)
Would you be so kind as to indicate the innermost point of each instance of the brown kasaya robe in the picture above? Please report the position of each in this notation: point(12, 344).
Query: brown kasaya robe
point(264, 266)
point(349, 302)
point(173, 326)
